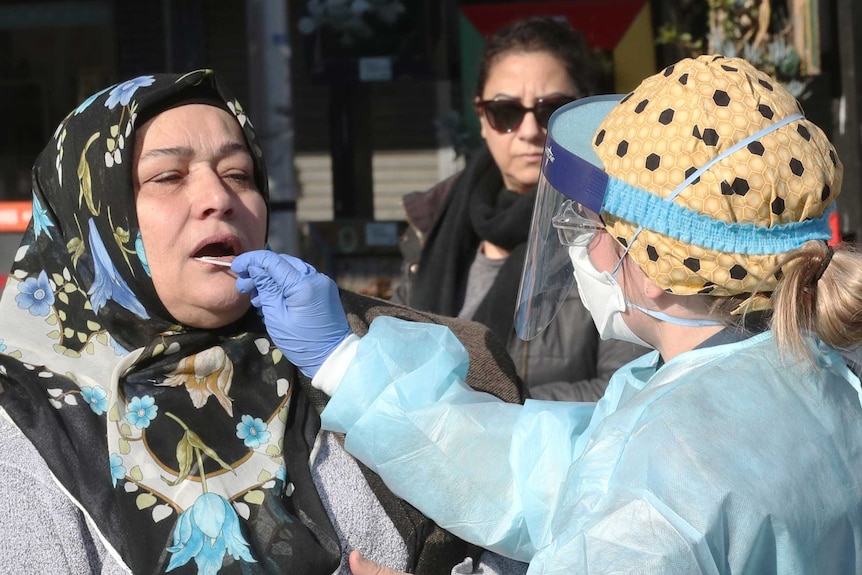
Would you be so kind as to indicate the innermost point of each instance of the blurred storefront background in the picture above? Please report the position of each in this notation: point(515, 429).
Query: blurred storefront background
point(362, 101)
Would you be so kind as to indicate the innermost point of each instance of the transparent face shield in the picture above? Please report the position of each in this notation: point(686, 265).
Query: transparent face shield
point(548, 275)
point(571, 188)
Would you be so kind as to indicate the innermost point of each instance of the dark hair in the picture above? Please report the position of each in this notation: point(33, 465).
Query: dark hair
point(543, 34)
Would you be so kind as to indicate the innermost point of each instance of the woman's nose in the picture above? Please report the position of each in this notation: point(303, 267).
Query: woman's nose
point(213, 195)
point(529, 128)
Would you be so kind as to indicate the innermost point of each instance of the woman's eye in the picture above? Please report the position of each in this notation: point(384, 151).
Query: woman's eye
point(240, 178)
point(166, 178)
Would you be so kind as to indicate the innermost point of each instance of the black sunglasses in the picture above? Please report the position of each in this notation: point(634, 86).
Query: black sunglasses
point(506, 115)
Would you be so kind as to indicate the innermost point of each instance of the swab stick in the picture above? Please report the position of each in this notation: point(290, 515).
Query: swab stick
point(210, 260)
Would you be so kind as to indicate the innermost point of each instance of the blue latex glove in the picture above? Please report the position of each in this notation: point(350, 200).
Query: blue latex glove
point(301, 307)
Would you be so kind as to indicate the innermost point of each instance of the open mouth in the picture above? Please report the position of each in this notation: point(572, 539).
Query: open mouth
point(217, 251)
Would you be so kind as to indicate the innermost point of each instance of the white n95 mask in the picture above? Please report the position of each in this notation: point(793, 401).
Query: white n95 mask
point(603, 297)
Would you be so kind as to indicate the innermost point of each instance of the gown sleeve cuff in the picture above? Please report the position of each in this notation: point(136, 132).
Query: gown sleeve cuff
point(330, 374)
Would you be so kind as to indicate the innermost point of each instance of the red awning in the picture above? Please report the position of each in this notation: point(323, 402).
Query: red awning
point(603, 22)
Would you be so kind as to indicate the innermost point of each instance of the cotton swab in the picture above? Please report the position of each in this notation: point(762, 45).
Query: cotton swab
point(209, 260)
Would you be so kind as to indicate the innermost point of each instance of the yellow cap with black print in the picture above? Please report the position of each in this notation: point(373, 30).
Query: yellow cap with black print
point(731, 148)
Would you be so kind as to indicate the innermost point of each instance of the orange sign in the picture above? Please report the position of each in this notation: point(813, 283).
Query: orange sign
point(14, 216)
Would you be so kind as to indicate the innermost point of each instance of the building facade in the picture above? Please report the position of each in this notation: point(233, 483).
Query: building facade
point(372, 116)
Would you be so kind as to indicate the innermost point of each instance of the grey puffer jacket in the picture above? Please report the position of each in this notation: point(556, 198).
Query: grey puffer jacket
point(568, 360)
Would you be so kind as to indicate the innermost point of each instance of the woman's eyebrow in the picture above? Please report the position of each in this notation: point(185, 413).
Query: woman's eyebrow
point(226, 149)
point(229, 148)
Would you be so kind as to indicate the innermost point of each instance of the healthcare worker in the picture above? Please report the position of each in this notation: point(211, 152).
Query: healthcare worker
point(694, 214)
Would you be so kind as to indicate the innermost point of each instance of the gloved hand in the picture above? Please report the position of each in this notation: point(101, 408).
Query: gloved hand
point(301, 308)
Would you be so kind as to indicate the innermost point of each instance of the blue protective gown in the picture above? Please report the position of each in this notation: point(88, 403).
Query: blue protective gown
point(723, 460)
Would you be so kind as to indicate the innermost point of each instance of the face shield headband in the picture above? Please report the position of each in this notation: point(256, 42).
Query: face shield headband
point(571, 170)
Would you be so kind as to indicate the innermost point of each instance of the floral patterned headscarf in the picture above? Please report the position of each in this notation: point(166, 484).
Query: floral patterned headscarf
point(188, 448)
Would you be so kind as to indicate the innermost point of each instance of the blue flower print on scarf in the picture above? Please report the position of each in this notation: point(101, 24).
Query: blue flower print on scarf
point(36, 295)
point(41, 223)
point(107, 282)
point(252, 430)
point(96, 397)
point(141, 411)
point(118, 349)
point(86, 103)
point(2, 346)
point(142, 255)
point(205, 532)
point(118, 471)
point(123, 93)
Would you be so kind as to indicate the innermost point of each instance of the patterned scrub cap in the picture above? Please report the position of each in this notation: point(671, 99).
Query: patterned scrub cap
point(678, 121)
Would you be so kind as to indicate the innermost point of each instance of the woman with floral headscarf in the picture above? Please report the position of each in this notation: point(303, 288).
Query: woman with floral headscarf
point(149, 423)
point(694, 213)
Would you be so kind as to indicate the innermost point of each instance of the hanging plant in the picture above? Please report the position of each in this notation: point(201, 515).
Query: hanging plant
point(761, 31)
point(762, 34)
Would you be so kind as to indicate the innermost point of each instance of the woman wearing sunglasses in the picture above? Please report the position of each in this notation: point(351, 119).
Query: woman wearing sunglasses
point(694, 215)
point(465, 249)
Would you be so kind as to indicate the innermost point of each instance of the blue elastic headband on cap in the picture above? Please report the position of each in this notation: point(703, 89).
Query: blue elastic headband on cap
point(572, 167)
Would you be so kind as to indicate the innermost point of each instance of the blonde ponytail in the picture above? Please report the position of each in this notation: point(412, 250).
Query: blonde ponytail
point(820, 292)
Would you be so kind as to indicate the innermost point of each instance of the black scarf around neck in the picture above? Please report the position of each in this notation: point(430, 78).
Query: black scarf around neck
point(499, 216)
point(478, 208)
